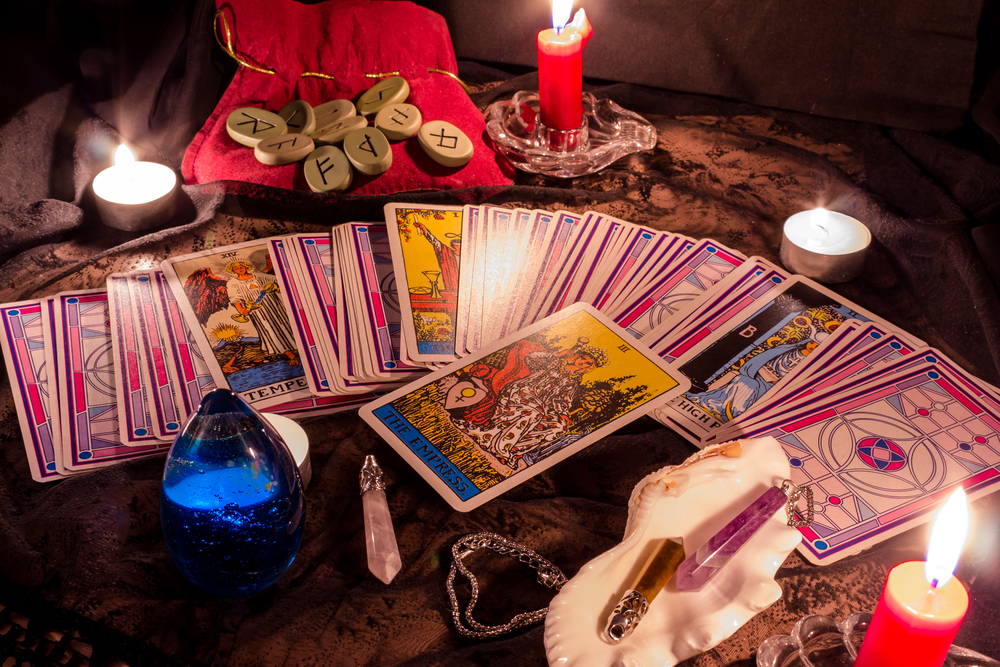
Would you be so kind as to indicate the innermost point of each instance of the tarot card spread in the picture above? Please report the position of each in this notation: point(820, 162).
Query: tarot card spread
point(243, 329)
point(881, 425)
point(483, 425)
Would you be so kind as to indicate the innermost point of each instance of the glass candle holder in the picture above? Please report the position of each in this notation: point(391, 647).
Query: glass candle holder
point(607, 133)
point(820, 641)
point(231, 505)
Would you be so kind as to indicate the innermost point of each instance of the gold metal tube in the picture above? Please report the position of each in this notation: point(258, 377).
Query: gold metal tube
point(654, 575)
point(659, 568)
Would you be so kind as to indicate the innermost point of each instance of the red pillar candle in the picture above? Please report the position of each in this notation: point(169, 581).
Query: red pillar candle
point(560, 71)
point(922, 605)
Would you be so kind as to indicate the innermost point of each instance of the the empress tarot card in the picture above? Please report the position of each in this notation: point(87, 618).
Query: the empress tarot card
point(494, 419)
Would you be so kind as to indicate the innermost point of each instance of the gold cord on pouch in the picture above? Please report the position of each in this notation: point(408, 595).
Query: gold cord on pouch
point(242, 59)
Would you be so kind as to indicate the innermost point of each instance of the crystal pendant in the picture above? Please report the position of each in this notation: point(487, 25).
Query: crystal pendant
point(380, 538)
point(231, 505)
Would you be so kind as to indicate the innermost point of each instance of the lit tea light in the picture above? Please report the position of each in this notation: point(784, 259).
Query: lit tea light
point(922, 605)
point(135, 195)
point(824, 245)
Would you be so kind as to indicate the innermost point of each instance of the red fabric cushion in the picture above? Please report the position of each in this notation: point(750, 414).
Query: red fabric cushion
point(346, 39)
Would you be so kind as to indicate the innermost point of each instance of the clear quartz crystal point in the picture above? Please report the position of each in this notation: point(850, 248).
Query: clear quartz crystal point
point(380, 538)
point(703, 564)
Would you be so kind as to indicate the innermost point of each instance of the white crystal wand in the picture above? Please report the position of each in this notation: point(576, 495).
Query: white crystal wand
point(380, 538)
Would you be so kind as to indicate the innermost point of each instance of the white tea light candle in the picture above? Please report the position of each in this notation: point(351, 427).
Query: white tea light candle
point(133, 195)
point(824, 245)
point(297, 441)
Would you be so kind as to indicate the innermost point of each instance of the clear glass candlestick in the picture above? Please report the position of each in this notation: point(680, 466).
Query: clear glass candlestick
point(608, 133)
point(820, 641)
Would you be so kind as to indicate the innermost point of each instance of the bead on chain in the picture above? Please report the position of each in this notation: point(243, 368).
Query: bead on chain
point(549, 576)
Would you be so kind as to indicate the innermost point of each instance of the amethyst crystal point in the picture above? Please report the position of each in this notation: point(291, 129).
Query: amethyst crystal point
point(699, 568)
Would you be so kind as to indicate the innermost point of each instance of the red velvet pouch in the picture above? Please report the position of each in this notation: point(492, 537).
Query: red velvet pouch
point(345, 39)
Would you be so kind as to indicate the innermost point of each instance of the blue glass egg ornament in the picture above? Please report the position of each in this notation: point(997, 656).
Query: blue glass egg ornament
point(231, 504)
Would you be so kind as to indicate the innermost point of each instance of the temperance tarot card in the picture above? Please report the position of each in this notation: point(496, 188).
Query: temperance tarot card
point(231, 300)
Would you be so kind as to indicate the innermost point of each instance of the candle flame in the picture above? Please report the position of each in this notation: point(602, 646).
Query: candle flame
point(819, 218)
point(561, 10)
point(123, 155)
point(948, 534)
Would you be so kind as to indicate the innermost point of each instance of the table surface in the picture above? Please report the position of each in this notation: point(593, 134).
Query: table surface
point(91, 545)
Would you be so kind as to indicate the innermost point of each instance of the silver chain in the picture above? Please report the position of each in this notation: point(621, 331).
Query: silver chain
point(794, 493)
point(549, 576)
